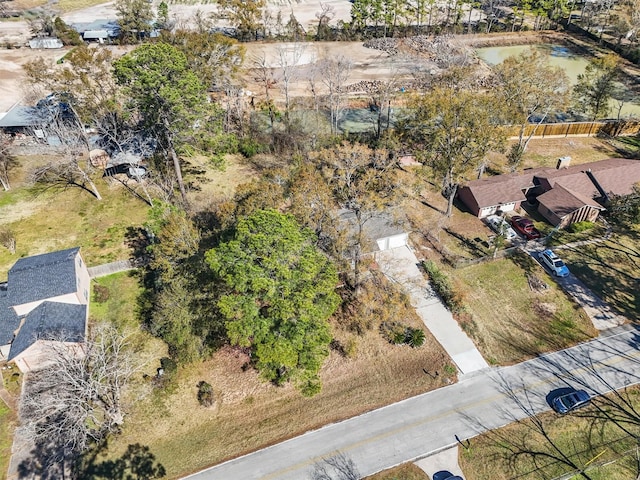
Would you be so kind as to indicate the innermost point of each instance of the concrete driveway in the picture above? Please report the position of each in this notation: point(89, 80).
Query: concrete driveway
point(400, 265)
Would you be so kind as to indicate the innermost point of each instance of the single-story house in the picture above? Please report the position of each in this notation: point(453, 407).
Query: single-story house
point(44, 300)
point(101, 30)
point(25, 119)
point(564, 195)
point(504, 193)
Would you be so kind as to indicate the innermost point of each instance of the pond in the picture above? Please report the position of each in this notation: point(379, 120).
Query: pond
point(570, 61)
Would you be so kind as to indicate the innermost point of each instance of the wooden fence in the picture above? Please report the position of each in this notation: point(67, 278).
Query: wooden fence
point(615, 128)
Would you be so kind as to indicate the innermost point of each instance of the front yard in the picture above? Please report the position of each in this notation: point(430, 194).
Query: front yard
point(611, 269)
point(510, 321)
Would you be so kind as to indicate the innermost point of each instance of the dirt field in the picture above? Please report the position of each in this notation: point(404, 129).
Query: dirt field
point(12, 77)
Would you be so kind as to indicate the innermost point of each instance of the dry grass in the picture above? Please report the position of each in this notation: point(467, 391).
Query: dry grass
point(408, 471)
point(215, 184)
point(529, 322)
point(488, 457)
point(56, 221)
point(69, 5)
point(7, 424)
point(611, 269)
point(250, 414)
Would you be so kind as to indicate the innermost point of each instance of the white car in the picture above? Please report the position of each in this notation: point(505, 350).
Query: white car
point(500, 225)
point(553, 263)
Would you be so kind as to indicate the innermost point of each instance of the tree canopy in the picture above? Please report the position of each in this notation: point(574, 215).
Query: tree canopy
point(167, 95)
point(454, 128)
point(596, 85)
point(279, 291)
point(530, 89)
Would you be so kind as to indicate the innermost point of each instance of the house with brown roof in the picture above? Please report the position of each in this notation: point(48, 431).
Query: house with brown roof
point(503, 193)
point(564, 195)
point(44, 300)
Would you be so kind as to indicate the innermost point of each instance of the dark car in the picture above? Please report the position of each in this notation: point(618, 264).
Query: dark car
point(525, 227)
point(445, 475)
point(570, 401)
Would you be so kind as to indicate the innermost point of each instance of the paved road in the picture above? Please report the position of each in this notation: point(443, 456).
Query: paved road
point(422, 425)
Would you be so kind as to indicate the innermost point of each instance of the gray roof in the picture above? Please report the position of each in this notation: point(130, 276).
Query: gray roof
point(50, 321)
point(111, 26)
point(93, 34)
point(21, 116)
point(378, 225)
point(9, 321)
point(43, 276)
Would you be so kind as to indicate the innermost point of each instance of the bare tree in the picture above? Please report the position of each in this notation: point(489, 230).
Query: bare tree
point(338, 467)
point(325, 15)
point(69, 169)
point(264, 75)
point(7, 161)
point(76, 401)
point(336, 72)
point(288, 59)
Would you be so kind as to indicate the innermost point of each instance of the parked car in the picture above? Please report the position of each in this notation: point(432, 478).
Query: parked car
point(525, 227)
point(553, 262)
point(446, 475)
point(570, 401)
point(500, 225)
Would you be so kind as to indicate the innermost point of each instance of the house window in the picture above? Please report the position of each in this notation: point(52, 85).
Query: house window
point(86, 294)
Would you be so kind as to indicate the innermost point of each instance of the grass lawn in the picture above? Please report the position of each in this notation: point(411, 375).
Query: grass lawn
point(611, 269)
point(408, 471)
point(608, 453)
point(529, 322)
point(53, 221)
point(7, 424)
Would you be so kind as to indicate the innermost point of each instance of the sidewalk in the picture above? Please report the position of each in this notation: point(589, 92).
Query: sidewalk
point(400, 265)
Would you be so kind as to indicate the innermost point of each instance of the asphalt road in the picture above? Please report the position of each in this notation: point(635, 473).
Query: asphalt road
point(425, 424)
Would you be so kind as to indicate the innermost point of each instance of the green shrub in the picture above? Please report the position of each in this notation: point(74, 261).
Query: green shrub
point(398, 334)
point(581, 226)
point(205, 394)
point(169, 366)
point(442, 285)
point(249, 147)
point(416, 337)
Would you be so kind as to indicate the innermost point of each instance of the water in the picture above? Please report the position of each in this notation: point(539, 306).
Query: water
point(570, 61)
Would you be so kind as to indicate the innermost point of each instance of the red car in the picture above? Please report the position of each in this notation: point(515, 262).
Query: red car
point(524, 227)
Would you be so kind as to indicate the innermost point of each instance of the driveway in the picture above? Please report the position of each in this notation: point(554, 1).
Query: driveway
point(400, 265)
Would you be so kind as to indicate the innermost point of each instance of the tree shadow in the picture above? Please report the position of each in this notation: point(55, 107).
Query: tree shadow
point(137, 463)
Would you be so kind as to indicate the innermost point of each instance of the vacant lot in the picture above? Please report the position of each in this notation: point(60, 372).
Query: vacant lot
point(249, 413)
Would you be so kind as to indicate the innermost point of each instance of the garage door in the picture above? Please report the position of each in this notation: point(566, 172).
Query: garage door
point(393, 241)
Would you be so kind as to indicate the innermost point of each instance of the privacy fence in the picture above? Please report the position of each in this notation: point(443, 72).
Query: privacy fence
point(613, 128)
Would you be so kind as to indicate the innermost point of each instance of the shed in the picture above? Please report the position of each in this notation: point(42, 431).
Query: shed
point(41, 43)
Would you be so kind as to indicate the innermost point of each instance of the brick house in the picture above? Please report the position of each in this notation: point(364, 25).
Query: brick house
point(563, 195)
